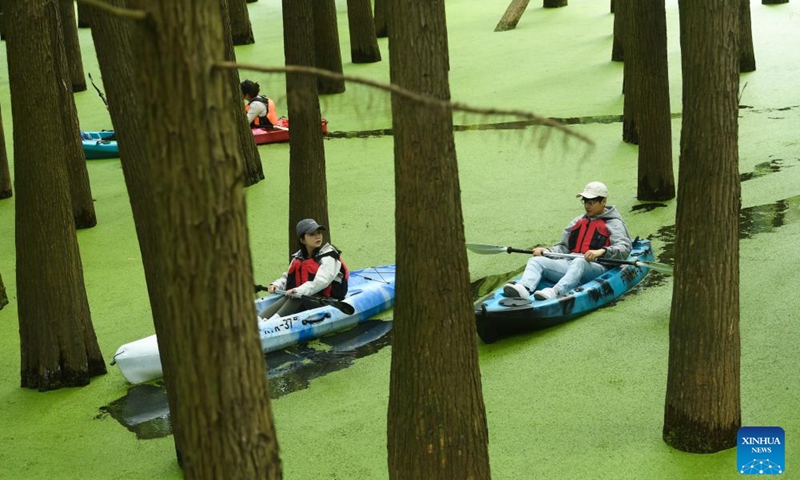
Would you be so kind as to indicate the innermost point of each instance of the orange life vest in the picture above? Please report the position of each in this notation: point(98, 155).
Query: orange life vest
point(588, 234)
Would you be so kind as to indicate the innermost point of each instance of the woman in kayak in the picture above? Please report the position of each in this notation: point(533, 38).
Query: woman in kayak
point(601, 232)
point(315, 269)
point(260, 110)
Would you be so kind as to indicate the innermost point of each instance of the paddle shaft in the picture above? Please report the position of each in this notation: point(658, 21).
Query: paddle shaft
point(102, 97)
point(337, 304)
point(604, 261)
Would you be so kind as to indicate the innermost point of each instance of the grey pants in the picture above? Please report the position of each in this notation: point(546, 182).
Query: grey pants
point(284, 306)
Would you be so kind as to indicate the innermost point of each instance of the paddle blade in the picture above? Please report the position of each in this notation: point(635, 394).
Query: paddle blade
point(485, 249)
point(345, 308)
point(658, 267)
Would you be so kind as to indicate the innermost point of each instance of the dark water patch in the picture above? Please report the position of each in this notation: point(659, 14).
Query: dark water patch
point(647, 207)
point(145, 409)
point(765, 168)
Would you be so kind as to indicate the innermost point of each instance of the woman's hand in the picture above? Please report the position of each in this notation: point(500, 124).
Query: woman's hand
point(539, 251)
point(593, 255)
point(272, 288)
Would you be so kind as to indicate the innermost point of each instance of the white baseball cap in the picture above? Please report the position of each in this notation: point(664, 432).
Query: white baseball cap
point(593, 190)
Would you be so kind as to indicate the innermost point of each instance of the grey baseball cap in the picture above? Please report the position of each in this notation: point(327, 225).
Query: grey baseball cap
point(308, 225)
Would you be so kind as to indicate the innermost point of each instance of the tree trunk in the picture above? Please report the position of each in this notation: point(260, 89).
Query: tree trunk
point(436, 419)
point(703, 406)
point(554, 3)
point(203, 246)
point(617, 50)
point(327, 53)
point(747, 55)
point(82, 17)
point(3, 296)
point(630, 132)
point(773, 2)
point(72, 46)
point(381, 12)
point(513, 13)
point(363, 42)
point(648, 61)
point(57, 340)
point(241, 29)
point(612, 6)
point(306, 151)
point(253, 170)
point(5, 173)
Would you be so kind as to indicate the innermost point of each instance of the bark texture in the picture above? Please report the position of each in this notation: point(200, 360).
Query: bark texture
point(211, 354)
point(648, 62)
point(703, 405)
point(747, 54)
point(241, 28)
point(327, 52)
point(5, 172)
point(57, 340)
point(436, 420)
point(381, 12)
point(72, 46)
point(363, 42)
point(513, 13)
point(308, 186)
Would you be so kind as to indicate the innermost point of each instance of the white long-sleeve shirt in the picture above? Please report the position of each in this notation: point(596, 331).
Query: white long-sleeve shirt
point(329, 269)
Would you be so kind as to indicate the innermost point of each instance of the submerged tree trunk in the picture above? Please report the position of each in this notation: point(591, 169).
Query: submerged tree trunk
point(308, 186)
point(241, 28)
point(513, 13)
point(3, 295)
point(363, 42)
point(57, 340)
point(703, 405)
point(436, 420)
point(203, 247)
point(5, 173)
point(747, 55)
point(253, 170)
point(648, 60)
point(381, 12)
point(327, 53)
point(72, 46)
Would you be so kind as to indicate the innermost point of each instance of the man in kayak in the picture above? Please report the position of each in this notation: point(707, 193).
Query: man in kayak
point(315, 269)
point(601, 232)
point(260, 110)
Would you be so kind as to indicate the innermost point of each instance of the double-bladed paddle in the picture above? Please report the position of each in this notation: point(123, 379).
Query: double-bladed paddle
point(485, 249)
point(345, 308)
point(102, 97)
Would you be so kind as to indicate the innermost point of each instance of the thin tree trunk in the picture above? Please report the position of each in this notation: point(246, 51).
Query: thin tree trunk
point(612, 6)
point(363, 42)
point(57, 340)
point(648, 60)
point(241, 28)
point(72, 46)
point(436, 420)
point(203, 247)
point(327, 53)
point(747, 54)
point(5, 173)
point(3, 295)
point(253, 170)
point(617, 50)
point(703, 404)
point(773, 2)
point(513, 13)
point(630, 132)
point(554, 3)
point(82, 17)
point(306, 151)
point(381, 12)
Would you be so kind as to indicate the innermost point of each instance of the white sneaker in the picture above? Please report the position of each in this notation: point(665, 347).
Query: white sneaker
point(545, 294)
point(516, 290)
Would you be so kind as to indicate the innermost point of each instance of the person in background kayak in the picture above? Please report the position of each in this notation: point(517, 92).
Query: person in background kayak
point(260, 110)
point(601, 232)
point(315, 269)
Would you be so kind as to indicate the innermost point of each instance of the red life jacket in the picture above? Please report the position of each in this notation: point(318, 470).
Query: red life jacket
point(588, 234)
point(303, 270)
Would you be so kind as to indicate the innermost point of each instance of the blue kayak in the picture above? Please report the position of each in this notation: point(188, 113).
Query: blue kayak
point(498, 316)
point(370, 291)
point(99, 145)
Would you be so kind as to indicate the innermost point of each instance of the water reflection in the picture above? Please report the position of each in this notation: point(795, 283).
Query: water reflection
point(145, 411)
